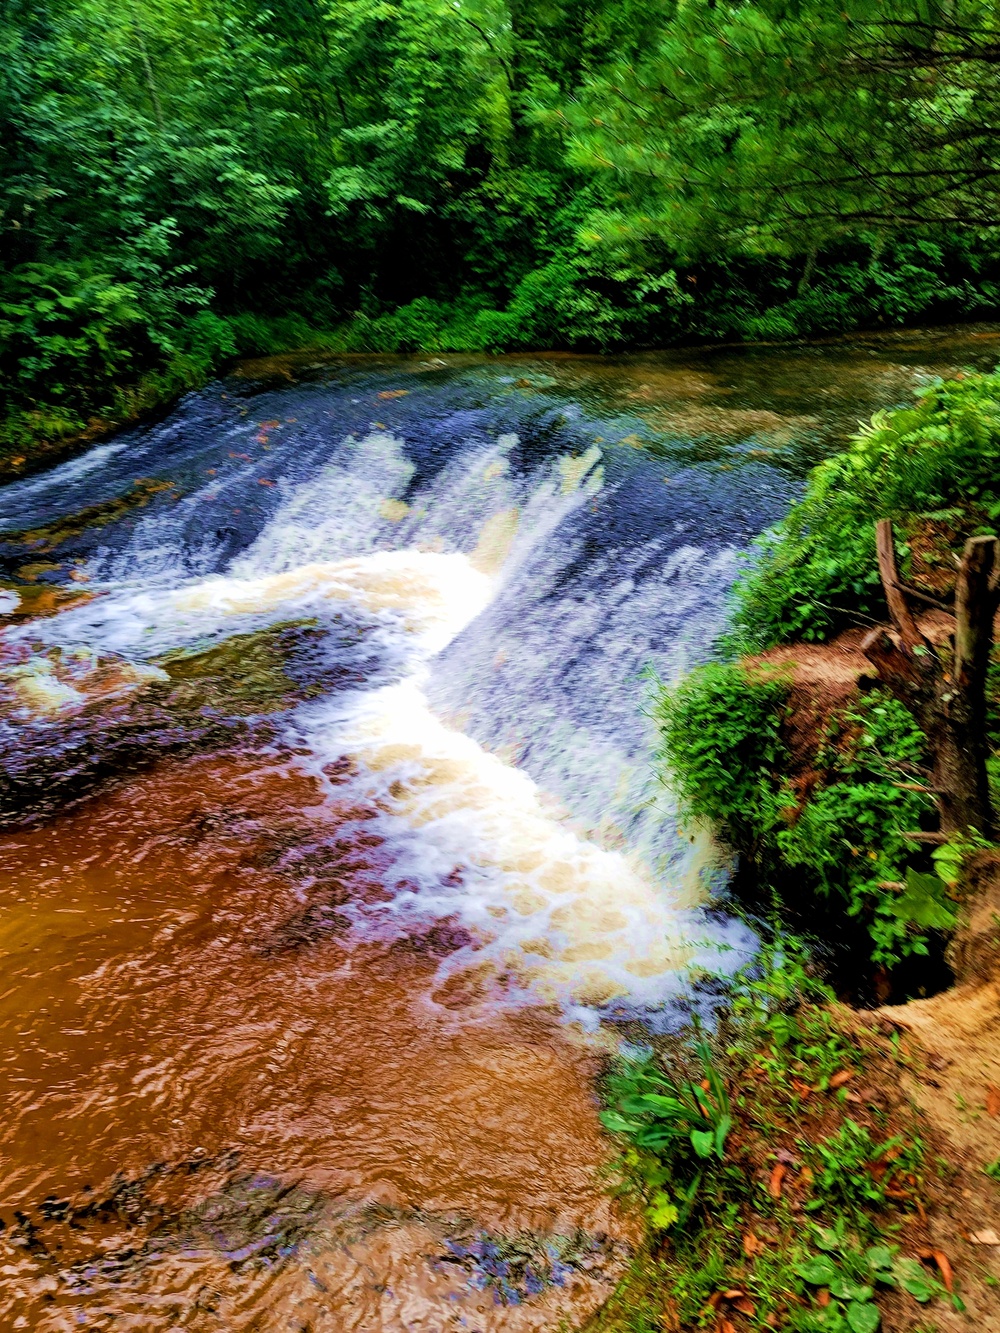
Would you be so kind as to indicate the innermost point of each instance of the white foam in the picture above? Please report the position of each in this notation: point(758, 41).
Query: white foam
point(556, 916)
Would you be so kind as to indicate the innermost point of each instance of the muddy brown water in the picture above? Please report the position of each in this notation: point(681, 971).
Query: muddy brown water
point(333, 864)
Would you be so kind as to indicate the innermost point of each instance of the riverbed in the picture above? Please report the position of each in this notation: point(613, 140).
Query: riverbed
point(334, 858)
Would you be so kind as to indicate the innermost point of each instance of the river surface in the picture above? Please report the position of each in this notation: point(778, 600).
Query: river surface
point(332, 860)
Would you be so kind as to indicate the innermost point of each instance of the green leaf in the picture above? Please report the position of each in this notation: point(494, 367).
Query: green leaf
point(879, 1257)
point(846, 1290)
point(819, 1271)
point(616, 1123)
point(721, 1133)
point(703, 1142)
point(863, 1317)
point(912, 1278)
point(922, 903)
point(662, 1212)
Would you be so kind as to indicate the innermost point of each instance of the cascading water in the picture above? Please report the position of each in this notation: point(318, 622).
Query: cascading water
point(308, 1010)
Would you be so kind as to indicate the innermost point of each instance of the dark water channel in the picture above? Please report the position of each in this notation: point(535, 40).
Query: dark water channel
point(333, 861)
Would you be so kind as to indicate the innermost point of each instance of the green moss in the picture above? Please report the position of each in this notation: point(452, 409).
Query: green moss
point(245, 675)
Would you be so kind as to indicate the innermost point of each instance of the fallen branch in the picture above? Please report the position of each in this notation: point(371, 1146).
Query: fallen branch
point(909, 591)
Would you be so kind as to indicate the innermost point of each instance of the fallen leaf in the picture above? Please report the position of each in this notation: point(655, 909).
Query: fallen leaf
point(745, 1306)
point(777, 1176)
point(394, 393)
point(823, 1296)
point(263, 481)
point(16, 462)
point(726, 1326)
point(803, 1089)
point(987, 1237)
point(947, 1274)
point(752, 1246)
point(733, 1294)
point(714, 1299)
point(805, 1178)
point(992, 1101)
point(840, 1078)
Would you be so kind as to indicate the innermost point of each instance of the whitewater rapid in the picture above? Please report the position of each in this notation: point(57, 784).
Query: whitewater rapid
point(568, 873)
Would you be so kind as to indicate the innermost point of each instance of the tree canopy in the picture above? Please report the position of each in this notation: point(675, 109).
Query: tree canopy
point(182, 180)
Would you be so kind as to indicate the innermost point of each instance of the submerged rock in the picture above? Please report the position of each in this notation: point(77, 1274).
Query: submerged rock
point(70, 717)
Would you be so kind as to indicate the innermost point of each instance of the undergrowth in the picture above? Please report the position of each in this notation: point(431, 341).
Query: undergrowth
point(780, 1189)
point(76, 392)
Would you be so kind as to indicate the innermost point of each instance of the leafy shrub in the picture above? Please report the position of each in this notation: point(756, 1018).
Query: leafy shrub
point(849, 834)
point(851, 1277)
point(853, 1171)
point(782, 1018)
point(65, 327)
point(680, 1125)
point(721, 747)
point(817, 570)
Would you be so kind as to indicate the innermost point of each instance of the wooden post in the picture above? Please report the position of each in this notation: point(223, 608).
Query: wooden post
point(899, 610)
point(975, 606)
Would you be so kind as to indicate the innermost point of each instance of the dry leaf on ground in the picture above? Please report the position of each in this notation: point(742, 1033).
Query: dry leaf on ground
point(777, 1176)
point(944, 1266)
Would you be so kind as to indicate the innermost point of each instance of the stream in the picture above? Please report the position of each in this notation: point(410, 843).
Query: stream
point(334, 862)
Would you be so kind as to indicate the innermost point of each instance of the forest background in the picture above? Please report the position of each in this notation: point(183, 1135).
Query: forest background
point(183, 181)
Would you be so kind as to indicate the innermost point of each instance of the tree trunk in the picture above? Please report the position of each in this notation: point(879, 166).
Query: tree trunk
point(961, 700)
point(944, 685)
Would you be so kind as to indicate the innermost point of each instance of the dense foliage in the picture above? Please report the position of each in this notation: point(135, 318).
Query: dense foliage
point(933, 467)
point(180, 182)
point(839, 836)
